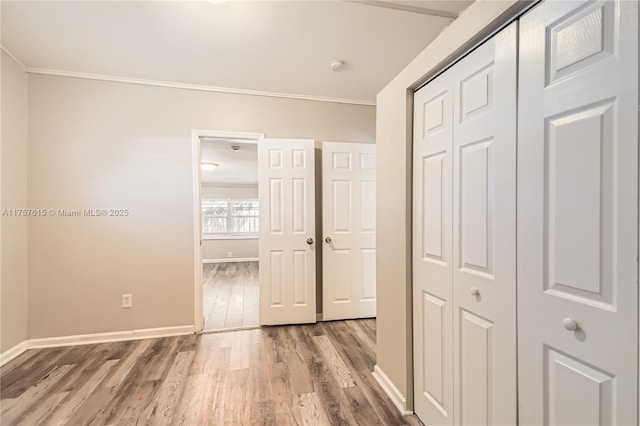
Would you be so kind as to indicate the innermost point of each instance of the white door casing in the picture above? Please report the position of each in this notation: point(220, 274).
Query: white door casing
point(286, 173)
point(464, 239)
point(348, 217)
point(196, 135)
point(577, 214)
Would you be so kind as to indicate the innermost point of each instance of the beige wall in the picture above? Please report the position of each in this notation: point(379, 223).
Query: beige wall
point(394, 175)
point(233, 192)
point(239, 248)
point(13, 155)
point(96, 144)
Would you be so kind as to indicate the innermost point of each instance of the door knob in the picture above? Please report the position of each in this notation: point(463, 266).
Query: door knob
point(474, 291)
point(328, 240)
point(309, 241)
point(570, 324)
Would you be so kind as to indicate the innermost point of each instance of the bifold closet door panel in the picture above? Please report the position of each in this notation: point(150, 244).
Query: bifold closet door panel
point(577, 214)
point(432, 256)
point(464, 239)
point(484, 227)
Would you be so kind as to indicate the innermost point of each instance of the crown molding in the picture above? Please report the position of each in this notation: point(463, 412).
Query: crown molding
point(406, 8)
point(12, 56)
point(198, 87)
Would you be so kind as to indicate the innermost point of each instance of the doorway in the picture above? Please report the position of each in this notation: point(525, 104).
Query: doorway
point(226, 230)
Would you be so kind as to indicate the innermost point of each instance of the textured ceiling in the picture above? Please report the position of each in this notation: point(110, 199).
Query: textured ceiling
point(234, 167)
point(269, 46)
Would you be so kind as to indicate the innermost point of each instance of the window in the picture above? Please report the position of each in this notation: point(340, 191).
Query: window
point(214, 216)
point(230, 217)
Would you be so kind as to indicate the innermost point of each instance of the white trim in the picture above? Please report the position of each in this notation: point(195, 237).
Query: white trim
point(196, 134)
point(12, 56)
point(391, 390)
point(223, 330)
point(115, 336)
point(199, 87)
point(88, 339)
point(408, 8)
point(231, 259)
point(221, 134)
point(214, 237)
point(13, 352)
point(198, 314)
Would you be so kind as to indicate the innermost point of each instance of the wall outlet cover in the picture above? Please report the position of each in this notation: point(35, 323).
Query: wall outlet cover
point(127, 301)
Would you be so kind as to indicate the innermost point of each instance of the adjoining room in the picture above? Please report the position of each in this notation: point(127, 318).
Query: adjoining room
point(230, 226)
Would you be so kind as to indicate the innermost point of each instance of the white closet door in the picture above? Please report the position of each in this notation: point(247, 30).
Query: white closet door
point(432, 256)
point(287, 228)
point(484, 233)
point(464, 240)
point(349, 226)
point(577, 214)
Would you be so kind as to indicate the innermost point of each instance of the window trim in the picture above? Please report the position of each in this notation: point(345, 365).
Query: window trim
point(212, 237)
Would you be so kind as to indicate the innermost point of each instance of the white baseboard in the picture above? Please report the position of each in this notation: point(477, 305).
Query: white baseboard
point(13, 352)
point(86, 339)
point(231, 259)
point(392, 391)
point(319, 317)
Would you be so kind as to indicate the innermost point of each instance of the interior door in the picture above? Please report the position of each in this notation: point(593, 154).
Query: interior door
point(577, 214)
point(432, 252)
point(349, 226)
point(286, 182)
point(464, 208)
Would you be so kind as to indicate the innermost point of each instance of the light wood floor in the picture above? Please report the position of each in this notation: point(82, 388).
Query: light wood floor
point(288, 375)
point(230, 295)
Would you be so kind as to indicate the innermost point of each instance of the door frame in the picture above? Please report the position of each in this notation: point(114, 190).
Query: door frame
point(196, 134)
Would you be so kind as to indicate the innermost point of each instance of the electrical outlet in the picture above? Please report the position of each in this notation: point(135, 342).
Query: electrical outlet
point(127, 301)
point(229, 254)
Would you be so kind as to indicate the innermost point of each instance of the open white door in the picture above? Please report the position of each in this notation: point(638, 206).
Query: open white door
point(578, 214)
point(286, 170)
point(349, 227)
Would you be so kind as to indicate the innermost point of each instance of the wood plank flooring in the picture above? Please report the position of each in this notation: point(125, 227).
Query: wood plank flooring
point(287, 375)
point(230, 295)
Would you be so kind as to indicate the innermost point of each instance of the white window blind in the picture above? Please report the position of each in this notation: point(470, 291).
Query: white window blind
point(230, 217)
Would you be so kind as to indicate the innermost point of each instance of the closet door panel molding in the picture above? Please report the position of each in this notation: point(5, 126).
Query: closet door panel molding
point(464, 239)
point(577, 213)
point(432, 252)
point(484, 210)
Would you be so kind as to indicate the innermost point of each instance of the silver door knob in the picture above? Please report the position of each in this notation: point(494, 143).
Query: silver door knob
point(328, 240)
point(309, 241)
point(570, 324)
point(474, 291)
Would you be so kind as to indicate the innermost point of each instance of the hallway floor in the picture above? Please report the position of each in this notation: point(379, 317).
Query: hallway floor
point(282, 375)
point(230, 295)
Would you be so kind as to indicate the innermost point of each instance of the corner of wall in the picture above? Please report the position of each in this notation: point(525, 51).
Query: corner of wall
point(13, 195)
point(394, 113)
point(396, 396)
